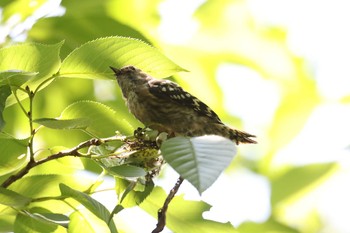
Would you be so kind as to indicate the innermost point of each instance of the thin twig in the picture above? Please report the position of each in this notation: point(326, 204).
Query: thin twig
point(32, 163)
point(18, 101)
point(162, 211)
point(31, 126)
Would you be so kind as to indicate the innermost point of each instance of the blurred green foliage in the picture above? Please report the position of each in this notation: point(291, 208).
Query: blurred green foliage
point(226, 34)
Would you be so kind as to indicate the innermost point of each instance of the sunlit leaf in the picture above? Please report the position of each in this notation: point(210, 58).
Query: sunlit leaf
point(58, 219)
point(103, 121)
point(268, 226)
point(121, 185)
point(78, 123)
point(135, 12)
point(46, 216)
point(25, 223)
point(15, 78)
point(76, 30)
point(11, 198)
point(12, 153)
point(7, 219)
point(131, 193)
point(298, 181)
point(68, 165)
point(31, 57)
point(292, 114)
point(83, 220)
point(92, 60)
point(91, 204)
point(184, 215)
point(200, 160)
point(37, 186)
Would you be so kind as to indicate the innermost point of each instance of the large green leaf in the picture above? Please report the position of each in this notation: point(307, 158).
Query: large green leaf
point(31, 57)
point(11, 198)
point(103, 121)
point(12, 154)
point(15, 78)
point(79, 123)
point(299, 180)
point(77, 29)
point(7, 218)
point(47, 216)
point(26, 223)
point(37, 186)
point(200, 160)
point(183, 215)
point(92, 60)
point(83, 220)
point(91, 204)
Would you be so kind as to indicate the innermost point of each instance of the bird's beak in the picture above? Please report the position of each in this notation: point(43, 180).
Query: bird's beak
point(115, 70)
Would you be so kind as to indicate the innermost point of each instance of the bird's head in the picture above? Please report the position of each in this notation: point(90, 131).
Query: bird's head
point(128, 77)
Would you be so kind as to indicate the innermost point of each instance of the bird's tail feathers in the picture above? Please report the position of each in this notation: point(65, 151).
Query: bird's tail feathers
point(237, 136)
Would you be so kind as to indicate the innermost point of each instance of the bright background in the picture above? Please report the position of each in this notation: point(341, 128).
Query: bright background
point(277, 69)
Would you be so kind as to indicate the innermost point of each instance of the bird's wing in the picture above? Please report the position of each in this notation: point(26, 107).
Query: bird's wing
point(168, 90)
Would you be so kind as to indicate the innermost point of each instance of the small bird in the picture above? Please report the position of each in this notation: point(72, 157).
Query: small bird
point(164, 106)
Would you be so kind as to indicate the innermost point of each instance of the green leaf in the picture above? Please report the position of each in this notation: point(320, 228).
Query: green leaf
point(131, 193)
point(79, 123)
point(26, 223)
point(126, 171)
point(91, 204)
point(123, 185)
point(15, 78)
point(92, 60)
point(268, 226)
point(7, 219)
point(83, 220)
point(76, 30)
point(37, 186)
point(20, 9)
point(5, 92)
point(200, 160)
point(11, 198)
point(298, 181)
point(58, 219)
point(12, 153)
point(46, 216)
point(291, 115)
point(103, 120)
point(31, 57)
point(183, 215)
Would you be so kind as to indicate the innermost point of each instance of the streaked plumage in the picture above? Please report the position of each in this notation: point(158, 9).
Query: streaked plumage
point(164, 106)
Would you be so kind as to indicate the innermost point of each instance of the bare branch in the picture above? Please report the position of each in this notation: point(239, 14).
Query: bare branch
point(162, 211)
point(71, 152)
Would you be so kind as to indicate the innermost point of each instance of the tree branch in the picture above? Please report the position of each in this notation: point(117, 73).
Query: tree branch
point(162, 211)
point(71, 152)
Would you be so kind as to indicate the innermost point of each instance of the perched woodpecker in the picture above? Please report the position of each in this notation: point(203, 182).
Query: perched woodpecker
point(164, 106)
